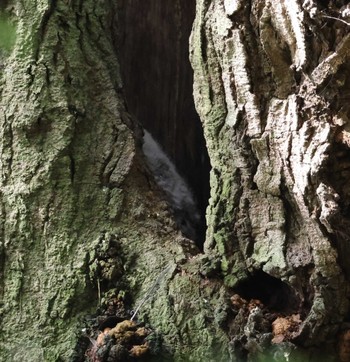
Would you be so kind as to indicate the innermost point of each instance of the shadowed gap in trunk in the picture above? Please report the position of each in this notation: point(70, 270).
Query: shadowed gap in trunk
point(153, 47)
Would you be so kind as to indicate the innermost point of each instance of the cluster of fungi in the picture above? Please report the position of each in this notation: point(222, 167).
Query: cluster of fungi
point(117, 338)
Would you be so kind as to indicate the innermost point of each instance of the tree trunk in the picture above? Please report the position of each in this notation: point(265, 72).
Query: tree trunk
point(83, 223)
point(85, 232)
point(271, 80)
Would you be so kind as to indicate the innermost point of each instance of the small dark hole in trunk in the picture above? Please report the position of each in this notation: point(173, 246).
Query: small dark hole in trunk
point(272, 292)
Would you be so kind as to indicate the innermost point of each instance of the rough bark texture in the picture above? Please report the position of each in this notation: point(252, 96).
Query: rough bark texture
point(83, 224)
point(270, 79)
point(80, 215)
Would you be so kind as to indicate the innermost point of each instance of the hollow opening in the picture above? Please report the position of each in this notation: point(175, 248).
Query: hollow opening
point(153, 49)
point(272, 292)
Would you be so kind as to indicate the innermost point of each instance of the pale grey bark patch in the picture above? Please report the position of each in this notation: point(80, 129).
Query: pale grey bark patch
point(178, 192)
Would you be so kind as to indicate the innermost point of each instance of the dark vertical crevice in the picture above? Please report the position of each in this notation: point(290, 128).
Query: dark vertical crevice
point(153, 48)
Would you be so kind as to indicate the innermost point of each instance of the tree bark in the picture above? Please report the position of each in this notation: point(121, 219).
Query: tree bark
point(82, 219)
point(270, 79)
point(83, 222)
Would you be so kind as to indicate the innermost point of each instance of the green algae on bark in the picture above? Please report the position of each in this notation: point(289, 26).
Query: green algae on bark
point(74, 187)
